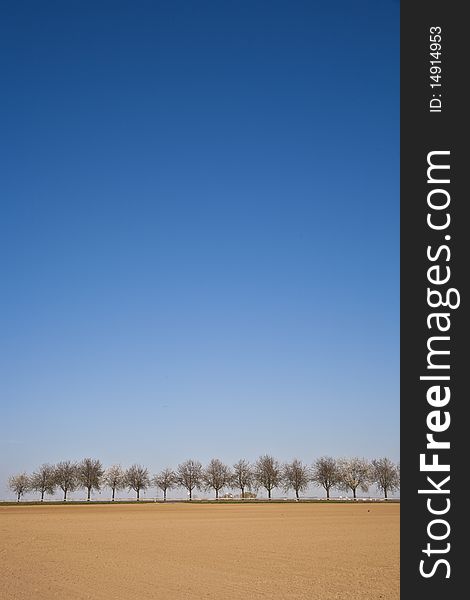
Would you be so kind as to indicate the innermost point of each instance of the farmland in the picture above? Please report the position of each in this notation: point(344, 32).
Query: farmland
point(150, 551)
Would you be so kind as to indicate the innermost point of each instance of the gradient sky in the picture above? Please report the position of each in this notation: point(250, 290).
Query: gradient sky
point(200, 231)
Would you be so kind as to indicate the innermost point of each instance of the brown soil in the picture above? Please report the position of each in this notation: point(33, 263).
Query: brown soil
point(181, 551)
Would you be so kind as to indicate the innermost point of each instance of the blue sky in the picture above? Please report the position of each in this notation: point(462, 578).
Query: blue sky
point(199, 232)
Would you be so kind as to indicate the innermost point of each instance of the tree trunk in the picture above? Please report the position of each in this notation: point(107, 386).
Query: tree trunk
point(42, 495)
point(385, 493)
point(18, 496)
point(297, 494)
point(216, 494)
point(327, 493)
point(89, 492)
point(242, 489)
point(164, 495)
point(190, 494)
point(65, 495)
point(354, 493)
point(114, 489)
point(138, 494)
point(269, 494)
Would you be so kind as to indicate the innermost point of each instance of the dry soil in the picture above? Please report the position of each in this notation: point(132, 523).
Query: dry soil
point(201, 551)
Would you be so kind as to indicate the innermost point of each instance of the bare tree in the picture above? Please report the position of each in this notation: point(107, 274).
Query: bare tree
point(354, 473)
point(216, 476)
point(137, 479)
point(242, 477)
point(114, 479)
point(43, 480)
point(296, 476)
point(268, 473)
point(326, 473)
point(19, 484)
point(385, 475)
point(189, 475)
point(90, 475)
point(165, 480)
point(65, 476)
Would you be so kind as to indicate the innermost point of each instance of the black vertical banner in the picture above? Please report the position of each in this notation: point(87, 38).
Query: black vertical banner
point(435, 252)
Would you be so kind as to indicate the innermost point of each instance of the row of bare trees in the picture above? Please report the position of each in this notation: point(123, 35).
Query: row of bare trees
point(346, 474)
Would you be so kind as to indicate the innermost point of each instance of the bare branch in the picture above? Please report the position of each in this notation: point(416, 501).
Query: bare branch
point(216, 476)
point(268, 473)
point(137, 479)
point(243, 477)
point(90, 475)
point(296, 476)
point(20, 484)
point(385, 475)
point(65, 476)
point(354, 473)
point(326, 473)
point(114, 479)
point(189, 475)
point(43, 480)
point(165, 480)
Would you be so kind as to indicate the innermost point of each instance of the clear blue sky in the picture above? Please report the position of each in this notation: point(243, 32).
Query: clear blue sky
point(200, 231)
